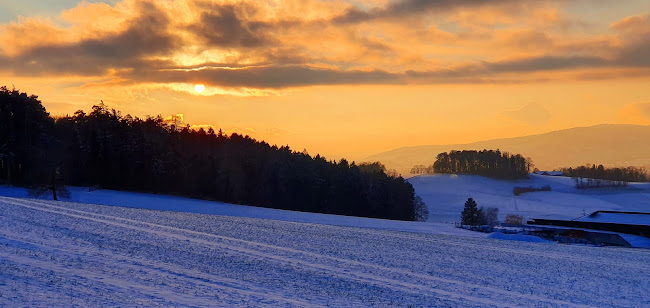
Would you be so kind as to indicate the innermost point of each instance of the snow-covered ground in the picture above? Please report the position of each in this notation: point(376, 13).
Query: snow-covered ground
point(72, 254)
point(445, 195)
point(180, 204)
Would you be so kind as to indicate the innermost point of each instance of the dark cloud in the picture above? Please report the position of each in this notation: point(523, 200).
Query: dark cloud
point(269, 76)
point(545, 63)
point(220, 25)
point(636, 53)
point(145, 36)
point(527, 65)
point(405, 8)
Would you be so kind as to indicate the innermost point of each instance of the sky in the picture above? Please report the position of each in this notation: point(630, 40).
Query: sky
point(341, 78)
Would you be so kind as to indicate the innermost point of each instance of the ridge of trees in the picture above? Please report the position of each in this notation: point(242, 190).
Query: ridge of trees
point(599, 176)
point(105, 148)
point(488, 163)
point(422, 169)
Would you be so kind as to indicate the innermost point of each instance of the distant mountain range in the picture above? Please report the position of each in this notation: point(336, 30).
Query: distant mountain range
point(607, 144)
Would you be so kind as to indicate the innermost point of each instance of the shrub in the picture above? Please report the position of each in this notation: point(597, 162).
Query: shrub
point(514, 220)
point(520, 190)
point(492, 216)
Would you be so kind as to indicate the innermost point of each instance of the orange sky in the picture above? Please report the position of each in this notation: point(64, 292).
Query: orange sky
point(340, 78)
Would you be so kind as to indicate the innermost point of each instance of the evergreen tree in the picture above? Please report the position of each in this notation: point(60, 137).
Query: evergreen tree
point(471, 215)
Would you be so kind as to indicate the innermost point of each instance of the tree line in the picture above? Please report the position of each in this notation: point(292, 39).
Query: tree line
point(488, 163)
point(105, 148)
point(599, 176)
point(422, 169)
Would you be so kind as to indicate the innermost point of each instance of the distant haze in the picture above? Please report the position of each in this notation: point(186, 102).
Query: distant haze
point(609, 144)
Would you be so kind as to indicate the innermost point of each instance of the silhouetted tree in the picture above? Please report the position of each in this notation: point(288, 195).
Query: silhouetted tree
point(421, 210)
point(471, 215)
point(55, 187)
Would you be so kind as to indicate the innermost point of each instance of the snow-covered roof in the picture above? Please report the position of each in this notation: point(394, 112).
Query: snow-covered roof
point(629, 218)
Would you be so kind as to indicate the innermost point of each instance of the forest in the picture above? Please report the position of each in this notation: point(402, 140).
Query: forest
point(490, 163)
point(113, 151)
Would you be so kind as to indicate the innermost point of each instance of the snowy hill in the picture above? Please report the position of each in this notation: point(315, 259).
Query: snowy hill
point(180, 204)
point(71, 254)
point(446, 194)
point(610, 145)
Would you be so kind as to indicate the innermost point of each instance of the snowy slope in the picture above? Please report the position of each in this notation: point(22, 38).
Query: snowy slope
point(446, 194)
point(71, 254)
point(180, 204)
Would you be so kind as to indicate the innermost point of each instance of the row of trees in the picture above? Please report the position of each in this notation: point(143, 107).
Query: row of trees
point(105, 148)
point(489, 163)
point(592, 176)
point(422, 169)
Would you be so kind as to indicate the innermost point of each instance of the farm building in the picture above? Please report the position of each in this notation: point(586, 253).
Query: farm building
point(611, 222)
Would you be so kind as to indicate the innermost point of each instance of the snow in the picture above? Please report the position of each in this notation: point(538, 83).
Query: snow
point(445, 195)
point(188, 205)
point(517, 237)
point(636, 241)
point(156, 250)
point(619, 218)
point(75, 254)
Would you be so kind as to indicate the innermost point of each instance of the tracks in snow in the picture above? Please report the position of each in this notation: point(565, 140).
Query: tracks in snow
point(400, 279)
point(159, 269)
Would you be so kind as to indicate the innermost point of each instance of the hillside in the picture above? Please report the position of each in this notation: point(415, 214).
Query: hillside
point(608, 144)
point(446, 194)
point(61, 253)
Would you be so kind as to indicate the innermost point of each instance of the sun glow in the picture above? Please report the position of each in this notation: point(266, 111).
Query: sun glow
point(199, 88)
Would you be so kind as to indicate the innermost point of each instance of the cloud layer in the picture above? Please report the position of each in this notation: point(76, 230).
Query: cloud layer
point(297, 43)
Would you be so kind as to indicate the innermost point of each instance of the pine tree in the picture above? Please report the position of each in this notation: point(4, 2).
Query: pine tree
point(470, 215)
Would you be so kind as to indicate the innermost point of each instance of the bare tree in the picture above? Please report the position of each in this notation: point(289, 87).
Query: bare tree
point(55, 186)
point(421, 210)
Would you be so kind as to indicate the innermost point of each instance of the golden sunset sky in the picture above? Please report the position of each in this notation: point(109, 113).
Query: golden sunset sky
point(340, 78)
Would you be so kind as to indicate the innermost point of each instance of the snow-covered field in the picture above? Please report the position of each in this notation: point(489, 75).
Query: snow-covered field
point(446, 194)
point(153, 250)
point(72, 254)
point(180, 204)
